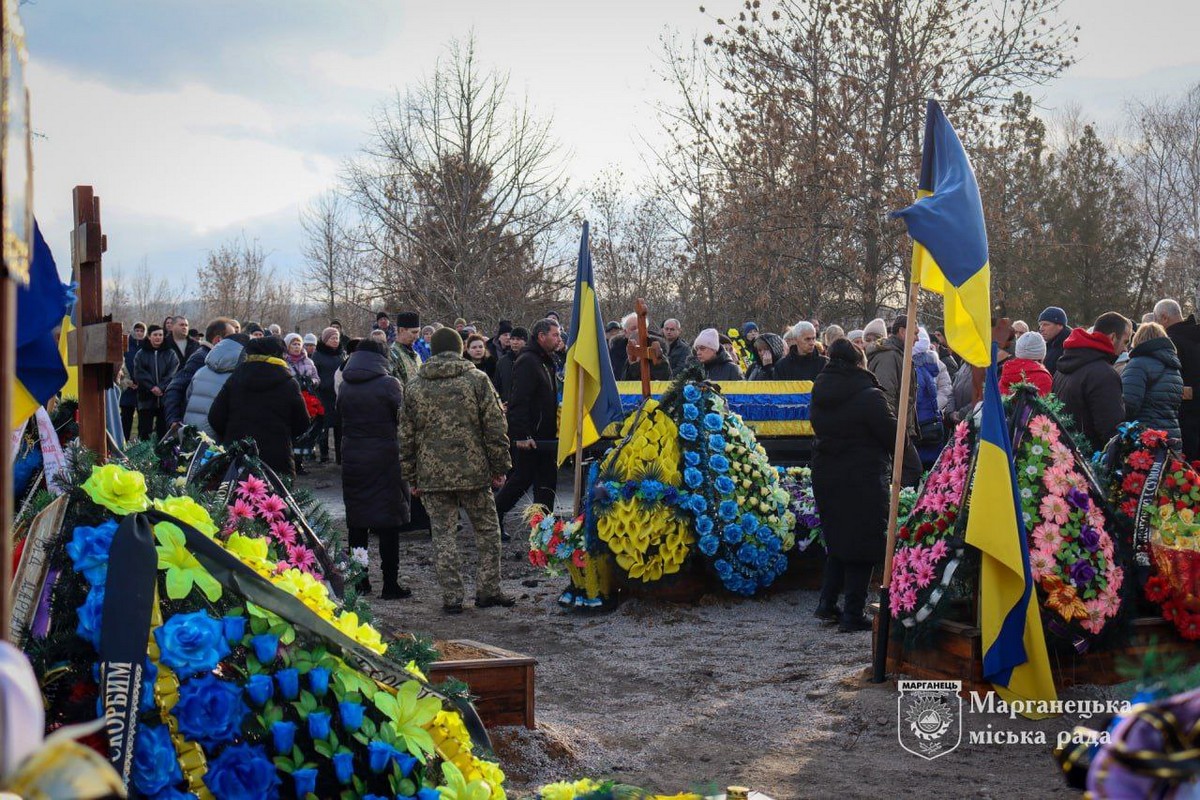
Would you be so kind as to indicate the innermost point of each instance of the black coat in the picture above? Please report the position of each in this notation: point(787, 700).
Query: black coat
point(151, 368)
point(1054, 350)
point(327, 360)
point(678, 353)
point(1089, 387)
point(189, 346)
point(722, 368)
point(795, 367)
point(369, 404)
point(658, 372)
point(856, 432)
point(502, 379)
point(533, 406)
point(129, 396)
point(1186, 336)
point(1152, 387)
point(261, 401)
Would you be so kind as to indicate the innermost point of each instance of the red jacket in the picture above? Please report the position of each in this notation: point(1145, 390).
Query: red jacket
point(1025, 370)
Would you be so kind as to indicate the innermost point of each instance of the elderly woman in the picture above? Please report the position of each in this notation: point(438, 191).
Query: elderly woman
point(1152, 383)
point(713, 358)
point(328, 357)
point(302, 367)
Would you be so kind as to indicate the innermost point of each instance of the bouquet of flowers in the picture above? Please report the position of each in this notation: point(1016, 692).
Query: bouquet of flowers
point(797, 482)
point(555, 542)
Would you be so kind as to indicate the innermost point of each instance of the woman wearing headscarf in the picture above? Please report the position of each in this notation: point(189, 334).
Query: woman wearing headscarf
point(855, 432)
point(771, 350)
point(261, 401)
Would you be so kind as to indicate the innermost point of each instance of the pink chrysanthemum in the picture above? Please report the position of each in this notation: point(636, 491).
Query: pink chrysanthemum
point(1041, 563)
point(1054, 509)
point(1048, 536)
point(1062, 456)
point(1056, 481)
point(271, 507)
point(901, 580)
point(907, 600)
point(1043, 427)
point(252, 488)
point(284, 532)
point(938, 551)
point(301, 558)
point(924, 573)
point(240, 510)
point(900, 559)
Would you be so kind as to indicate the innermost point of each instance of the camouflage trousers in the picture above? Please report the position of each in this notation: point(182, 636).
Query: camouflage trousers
point(443, 525)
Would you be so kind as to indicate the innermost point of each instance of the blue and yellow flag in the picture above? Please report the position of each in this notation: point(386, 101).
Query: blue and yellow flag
point(587, 370)
point(950, 250)
point(40, 307)
point(1014, 647)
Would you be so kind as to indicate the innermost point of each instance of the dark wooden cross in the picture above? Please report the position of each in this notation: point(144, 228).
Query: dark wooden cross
point(95, 347)
point(640, 350)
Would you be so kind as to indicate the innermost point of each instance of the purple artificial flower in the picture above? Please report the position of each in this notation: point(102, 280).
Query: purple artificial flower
point(1089, 537)
point(1077, 498)
point(1082, 573)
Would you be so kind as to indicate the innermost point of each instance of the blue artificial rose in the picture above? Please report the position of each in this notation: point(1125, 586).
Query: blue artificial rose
point(716, 442)
point(379, 755)
point(724, 484)
point(712, 421)
point(89, 548)
point(652, 490)
point(155, 765)
point(318, 681)
point(265, 645)
point(192, 643)
point(306, 781)
point(747, 553)
point(724, 570)
point(242, 772)
point(719, 463)
point(174, 794)
point(704, 525)
point(288, 681)
point(699, 504)
point(781, 564)
point(352, 715)
point(343, 767)
point(733, 533)
point(260, 688)
point(690, 412)
point(210, 710)
point(749, 522)
point(426, 793)
point(89, 616)
point(728, 510)
point(149, 676)
point(235, 628)
point(691, 393)
point(688, 431)
point(318, 724)
point(691, 458)
point(708, 545)
point(692, 477)
point(406, 764)
point(283, 734)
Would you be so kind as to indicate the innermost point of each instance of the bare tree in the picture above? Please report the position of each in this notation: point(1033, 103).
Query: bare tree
point(146, 297)
point(235, 281)
point(331, 262)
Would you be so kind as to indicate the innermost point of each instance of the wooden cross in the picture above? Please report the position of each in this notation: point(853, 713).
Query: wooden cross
point(640, 350)
point(95, 347)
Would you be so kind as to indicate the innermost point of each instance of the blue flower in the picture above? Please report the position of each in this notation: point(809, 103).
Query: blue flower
point(265, 645)
point(352, 715)
point(89, 616)
point(712, 421)
point(690, 411)
point(155, 765)
point(704, 525)
point(306, 781)
point(242, 772)
point(379, 755)
point(699, 505)
point(405, 762)
point(670, 495)
point(343, 767)
point(89, 548)
point(629, 489)
point(260, 688)
point(719, 463)
point(728, 510)
point(318, 724)
point(192, 643)
point(693, 477)
point(149, 676)
point(691, 393)
point(781, 564)
point(318, 681)
point(210, 710)
point(733, 533)
point(283, 734)
point(749, 522)
point(724, 570)
point(708, 545)
point(688, 431)
point(691, 458)
point(427, 793)
point(724, 484)
point(716, 442)
point(652, 490)
point(289, 682)
point(747, 553)
point(171, 793)
point(235, 628)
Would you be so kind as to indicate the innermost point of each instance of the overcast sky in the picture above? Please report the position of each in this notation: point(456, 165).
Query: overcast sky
point(196, 121)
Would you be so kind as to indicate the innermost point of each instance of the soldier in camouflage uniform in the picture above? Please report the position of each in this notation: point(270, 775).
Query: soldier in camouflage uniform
point(405, 359)
point(454, 449)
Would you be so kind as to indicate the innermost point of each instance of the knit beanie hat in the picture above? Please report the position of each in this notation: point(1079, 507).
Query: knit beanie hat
point(446, 340)
point(749, 326)
point(1032, 346)
point(855, 334)
point(292, 337)
point(310, 338)
point(708, 338)
point(1053, 314)
point(504, 327)
point(921, 345)
point(876, 326)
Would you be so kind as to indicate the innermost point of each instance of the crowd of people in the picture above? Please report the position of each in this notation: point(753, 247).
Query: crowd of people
point(430, 419)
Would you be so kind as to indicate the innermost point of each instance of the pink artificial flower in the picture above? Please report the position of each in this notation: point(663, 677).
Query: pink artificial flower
point(1043, 427)
point(1054, 509)
point(1116, 576)
point(1048, 536)
point(924, 573)
point(271, 507)
point(284, 532)
point(907, 600)
point(1056, 482)
point(1096, 616)
point(901, 580)
point(938, 551)
point(1041, 563)
point(1062, 457)
point(301, 557)
point(1077, 480)
point(252, 488)
point(899, 559)
point(240, 510)
point(1095, 517)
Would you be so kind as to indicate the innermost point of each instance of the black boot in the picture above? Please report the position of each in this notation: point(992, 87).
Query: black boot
point(831, 586)
point(857, 575)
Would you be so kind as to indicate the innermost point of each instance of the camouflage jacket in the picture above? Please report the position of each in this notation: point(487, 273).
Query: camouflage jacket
point(405, 362)
point(452, 429)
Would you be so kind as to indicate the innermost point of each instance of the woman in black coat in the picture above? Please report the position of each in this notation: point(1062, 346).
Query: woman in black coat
point(261, 401)
point(856, 432)
point(373, 488)
point(154, 365)
point(328, 357)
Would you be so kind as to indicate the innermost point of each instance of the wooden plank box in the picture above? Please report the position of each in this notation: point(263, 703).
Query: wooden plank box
point(502, 682)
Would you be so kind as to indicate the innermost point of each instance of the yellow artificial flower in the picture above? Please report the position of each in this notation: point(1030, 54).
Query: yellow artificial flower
point(251, 550)
point(347, 622)
point(183, 570)
point(121, 491)
point(457, 787)
point(185, 509)
point(567, 790)
point(307, 590)
point(410, 715)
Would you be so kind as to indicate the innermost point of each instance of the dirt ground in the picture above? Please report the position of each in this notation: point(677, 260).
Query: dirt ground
point(727, 691)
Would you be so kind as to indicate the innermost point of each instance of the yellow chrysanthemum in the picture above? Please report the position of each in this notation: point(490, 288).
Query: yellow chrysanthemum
point(185, 509)
point(307, 590)
point(348, 623)
point(121, 491)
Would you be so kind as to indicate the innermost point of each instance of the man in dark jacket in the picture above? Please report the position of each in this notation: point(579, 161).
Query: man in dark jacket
point(153, 367)
point(384, 323)
point(885, 360)
point(499, 344)
point(1086, 383)
point(533, 421)
point(372, 482)
point(1052, 324)
point(716, 362)
point(175, 399)
point(261, 401)
point(1185, 333)
point(678, 348)
point(177, 338)
point(128, 401)
point(454, 449)
point(803, 362)
point(502, 379)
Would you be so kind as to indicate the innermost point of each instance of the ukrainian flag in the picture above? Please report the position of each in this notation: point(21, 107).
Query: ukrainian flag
point(41, 305)
point(950, 251)
point(587, 370)
point(1014, 647)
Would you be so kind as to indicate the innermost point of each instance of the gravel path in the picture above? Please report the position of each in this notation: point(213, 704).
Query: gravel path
point(727, 691)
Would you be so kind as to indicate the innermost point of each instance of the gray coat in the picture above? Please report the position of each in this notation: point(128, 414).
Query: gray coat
point(1152, 386)
point(207, 382)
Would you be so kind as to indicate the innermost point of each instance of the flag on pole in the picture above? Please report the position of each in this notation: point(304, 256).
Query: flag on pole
point(587, 370)
point(70, 389)
point(950, 250)
point(1014, 647)
point(41, 305)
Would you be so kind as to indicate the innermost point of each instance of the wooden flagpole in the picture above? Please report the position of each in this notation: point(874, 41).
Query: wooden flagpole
point(883, 622)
